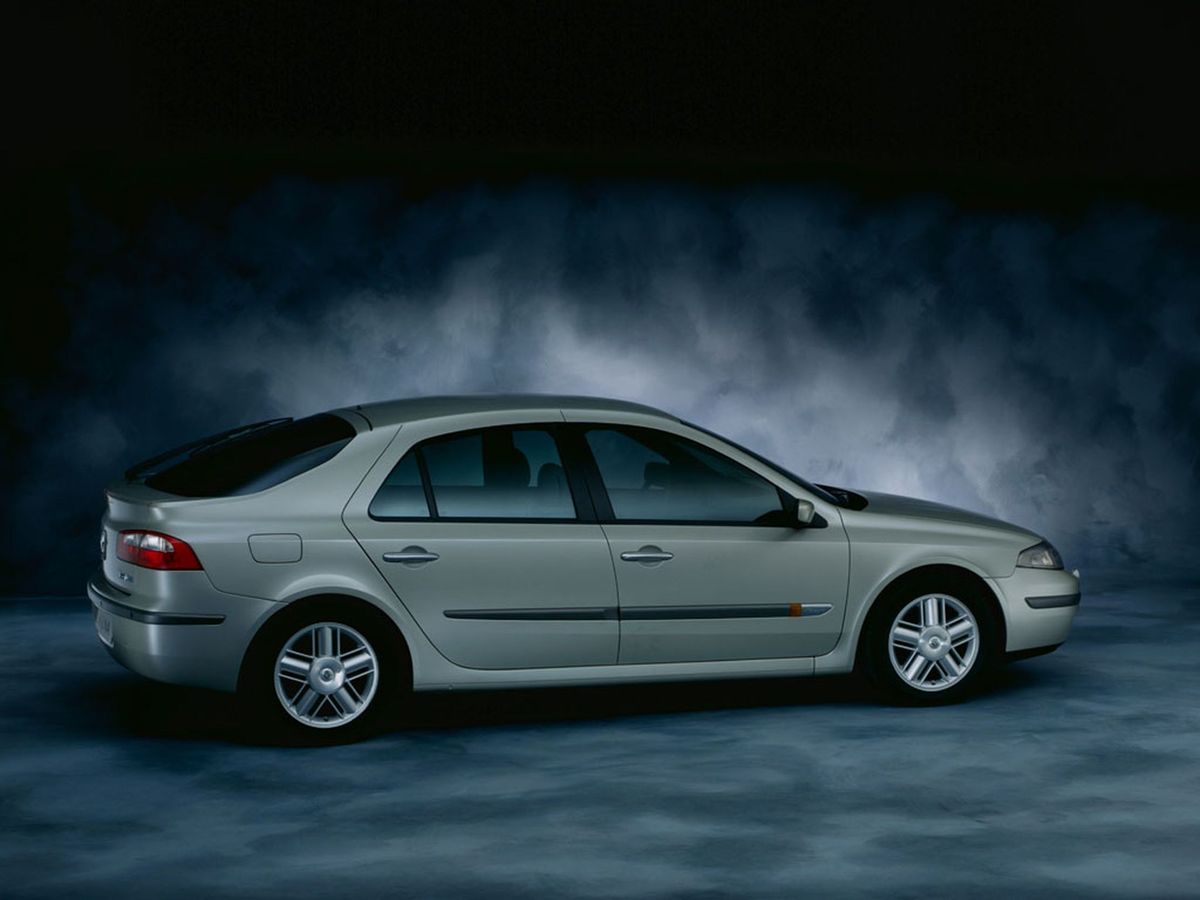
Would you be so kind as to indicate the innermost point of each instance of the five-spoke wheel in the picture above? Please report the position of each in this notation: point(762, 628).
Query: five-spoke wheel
point(326, 674)
point(934, 642)
point(931, 639)
point(324, 671)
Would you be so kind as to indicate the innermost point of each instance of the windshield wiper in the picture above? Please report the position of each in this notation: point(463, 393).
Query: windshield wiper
point(843, 496)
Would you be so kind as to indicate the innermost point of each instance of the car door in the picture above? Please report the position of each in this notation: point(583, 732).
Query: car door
point(710, 564)
point(480, 536)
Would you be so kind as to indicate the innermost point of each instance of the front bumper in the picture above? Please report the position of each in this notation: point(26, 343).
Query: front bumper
point(1039, 607)
point(196, 637)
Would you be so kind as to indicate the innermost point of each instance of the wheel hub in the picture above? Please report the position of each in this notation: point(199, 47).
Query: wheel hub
point(326, 675)
point(934, 642)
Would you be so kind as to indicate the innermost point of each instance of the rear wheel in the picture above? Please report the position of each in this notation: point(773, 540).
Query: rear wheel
point(931, 643)
point(326, 673)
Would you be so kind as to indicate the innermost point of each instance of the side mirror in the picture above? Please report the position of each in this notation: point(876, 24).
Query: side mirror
point(805, 513)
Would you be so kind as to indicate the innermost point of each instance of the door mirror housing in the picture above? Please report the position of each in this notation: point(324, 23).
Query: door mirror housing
point(802, 513)
point(805, 513)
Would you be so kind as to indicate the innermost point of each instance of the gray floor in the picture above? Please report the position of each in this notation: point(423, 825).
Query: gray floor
point(1078, 775)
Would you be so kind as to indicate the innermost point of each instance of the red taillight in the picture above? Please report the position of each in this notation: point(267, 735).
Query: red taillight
point(154, 550)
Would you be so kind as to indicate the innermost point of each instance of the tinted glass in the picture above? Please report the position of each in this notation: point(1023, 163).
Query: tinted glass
point(401, 496)
point(501, 473)
point(655, 476)
point(830, 495)
point(254, 460)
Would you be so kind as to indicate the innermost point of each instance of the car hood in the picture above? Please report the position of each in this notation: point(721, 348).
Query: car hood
point(911, 507)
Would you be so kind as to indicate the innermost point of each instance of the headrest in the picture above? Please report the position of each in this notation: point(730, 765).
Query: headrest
point(658, 474)
point(551, 475)
point(506, 467)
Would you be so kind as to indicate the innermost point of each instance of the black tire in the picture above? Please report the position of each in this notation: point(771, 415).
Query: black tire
point(875, 649)
point(263, 711)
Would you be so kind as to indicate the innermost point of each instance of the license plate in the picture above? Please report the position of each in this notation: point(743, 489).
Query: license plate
point(104, 627)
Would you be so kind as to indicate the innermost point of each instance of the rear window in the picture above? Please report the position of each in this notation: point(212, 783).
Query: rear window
point(247, 460)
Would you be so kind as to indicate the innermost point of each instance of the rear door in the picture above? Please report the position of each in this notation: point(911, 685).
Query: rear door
point(709, 565)
point(492, 549)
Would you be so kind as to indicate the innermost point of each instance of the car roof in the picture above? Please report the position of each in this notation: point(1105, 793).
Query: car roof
point(396, 412)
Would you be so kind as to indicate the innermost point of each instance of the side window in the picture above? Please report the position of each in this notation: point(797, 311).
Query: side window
point(498, 473)
point(401, 496)
point(652, 475)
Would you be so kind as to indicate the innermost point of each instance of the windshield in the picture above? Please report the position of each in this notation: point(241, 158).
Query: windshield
point(825, 494)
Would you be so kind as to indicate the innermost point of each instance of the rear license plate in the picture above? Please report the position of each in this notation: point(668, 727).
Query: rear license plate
point(104, 627)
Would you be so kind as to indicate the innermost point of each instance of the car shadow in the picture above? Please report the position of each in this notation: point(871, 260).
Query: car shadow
point(550, 705)
point(129, 706)
point(135, 707)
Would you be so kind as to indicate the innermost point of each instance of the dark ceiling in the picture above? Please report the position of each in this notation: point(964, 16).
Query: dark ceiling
point(123, 108)
point(1048, 100)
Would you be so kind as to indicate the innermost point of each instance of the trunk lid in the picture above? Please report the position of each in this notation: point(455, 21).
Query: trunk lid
point(131, 505)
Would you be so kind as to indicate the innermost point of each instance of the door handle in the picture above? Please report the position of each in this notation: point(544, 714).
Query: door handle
point(647, 554)
point(411, 556)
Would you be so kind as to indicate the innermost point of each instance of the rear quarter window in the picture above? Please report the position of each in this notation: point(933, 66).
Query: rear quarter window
point(255, 461)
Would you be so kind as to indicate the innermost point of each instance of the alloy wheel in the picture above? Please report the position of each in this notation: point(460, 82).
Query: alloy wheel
point(326, 675)
point(933, 642)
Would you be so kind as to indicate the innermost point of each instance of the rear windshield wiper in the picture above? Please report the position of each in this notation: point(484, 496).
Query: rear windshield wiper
point(140, 471)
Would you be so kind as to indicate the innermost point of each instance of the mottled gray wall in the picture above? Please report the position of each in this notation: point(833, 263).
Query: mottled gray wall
point(1045, 372)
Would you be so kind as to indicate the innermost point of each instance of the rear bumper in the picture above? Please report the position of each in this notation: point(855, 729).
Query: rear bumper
point(196, 638)
point(1039, 607)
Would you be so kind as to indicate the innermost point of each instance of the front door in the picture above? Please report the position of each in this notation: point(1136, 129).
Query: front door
point(709, 564)
point(479, 535)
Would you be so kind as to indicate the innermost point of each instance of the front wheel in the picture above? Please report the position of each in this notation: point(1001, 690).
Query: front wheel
point(322, 675)
point(929, 646)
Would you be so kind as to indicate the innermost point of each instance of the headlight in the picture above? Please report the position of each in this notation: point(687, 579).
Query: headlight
point(1040, 556)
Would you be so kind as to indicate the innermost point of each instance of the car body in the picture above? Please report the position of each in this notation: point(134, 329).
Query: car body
point(499, 541)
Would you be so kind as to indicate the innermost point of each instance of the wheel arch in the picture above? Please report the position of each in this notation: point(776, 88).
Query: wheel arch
point(951, 572)
point(297, 606)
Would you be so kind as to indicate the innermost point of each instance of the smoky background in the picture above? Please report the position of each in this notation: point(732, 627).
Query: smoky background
point(1040, 369)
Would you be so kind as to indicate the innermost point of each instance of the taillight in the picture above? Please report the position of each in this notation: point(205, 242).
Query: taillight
point(154, 550)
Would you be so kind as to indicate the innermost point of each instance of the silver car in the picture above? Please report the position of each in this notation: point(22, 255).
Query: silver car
point(326, 566)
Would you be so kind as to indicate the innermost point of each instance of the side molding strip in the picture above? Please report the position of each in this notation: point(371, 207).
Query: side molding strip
point(644, 613)
point(568, 614)
point(760, 611)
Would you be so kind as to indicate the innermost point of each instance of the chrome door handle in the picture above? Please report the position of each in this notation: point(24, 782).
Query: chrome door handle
point(647, 554)
point(411, 556)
